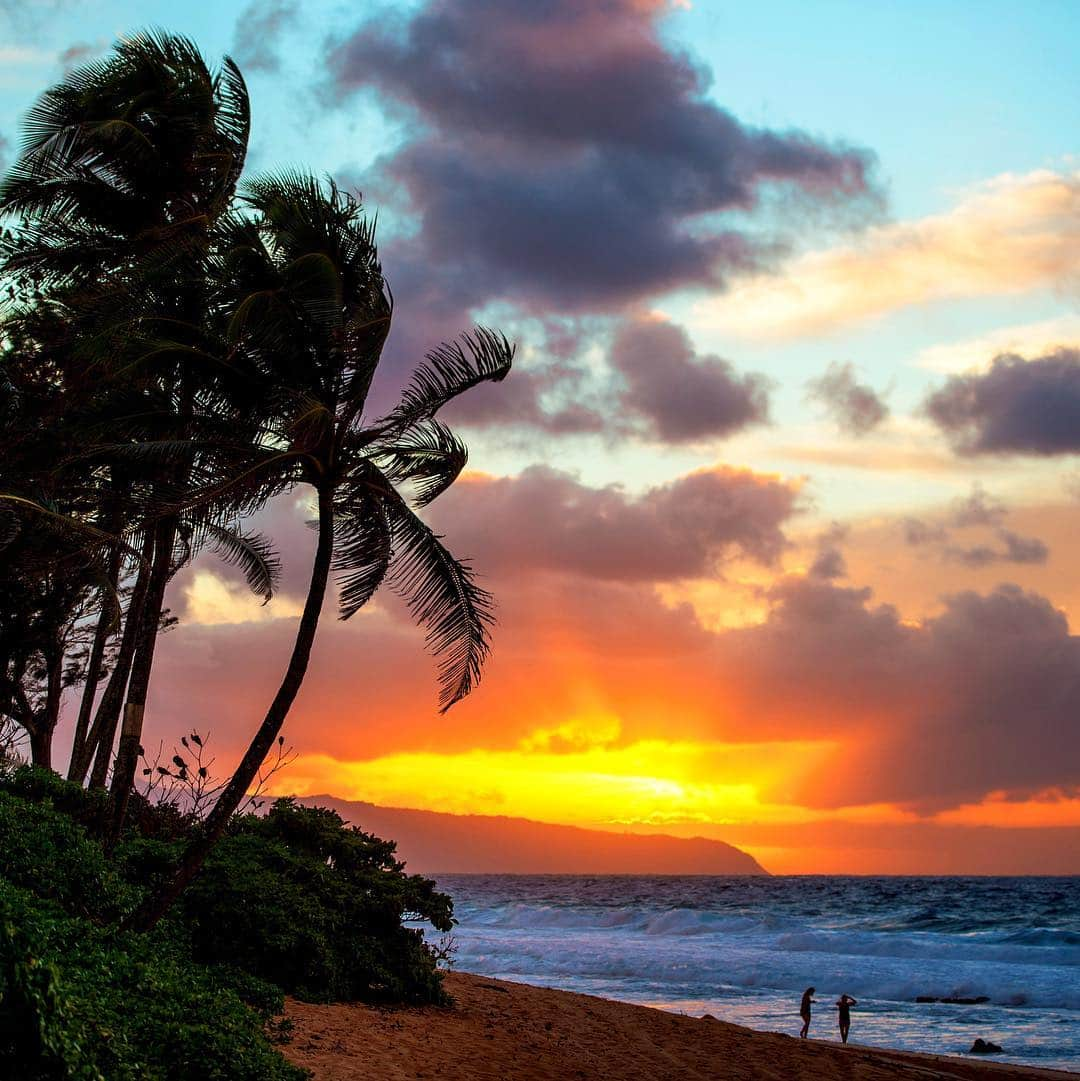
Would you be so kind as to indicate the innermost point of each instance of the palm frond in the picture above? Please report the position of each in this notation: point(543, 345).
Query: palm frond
point(428, 455)
point(480, 356)
point(444, 598)
point(362, 548)
point(10, 527)
point(247, 488)
point(234, 116)
point(67, 525)
point(312, 275)
point(251, 552)
point(154, 452)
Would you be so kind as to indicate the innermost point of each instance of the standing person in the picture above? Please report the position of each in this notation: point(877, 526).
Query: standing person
point(804, 1011)
point(844, 1004)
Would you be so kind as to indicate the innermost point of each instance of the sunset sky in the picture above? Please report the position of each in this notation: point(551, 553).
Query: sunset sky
point(781, 503)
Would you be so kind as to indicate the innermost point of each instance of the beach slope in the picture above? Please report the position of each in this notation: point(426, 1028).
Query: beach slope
point(498, 1031)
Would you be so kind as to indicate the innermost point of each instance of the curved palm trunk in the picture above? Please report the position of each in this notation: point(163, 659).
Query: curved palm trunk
point(76, 769)
point(103, 732)
point(41, 734)
point(127, 752)
point(80, 743)
point(41, 747)
point(148, 914)
point(128, 749)
point(81, 747)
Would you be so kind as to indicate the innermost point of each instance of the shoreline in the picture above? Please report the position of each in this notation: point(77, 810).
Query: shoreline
point(497, 1030)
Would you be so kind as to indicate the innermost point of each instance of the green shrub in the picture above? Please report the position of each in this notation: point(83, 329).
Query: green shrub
point(86, 1003)
point(316, 907)
point(81, 1000)
point(44, 850)
point(294, 901)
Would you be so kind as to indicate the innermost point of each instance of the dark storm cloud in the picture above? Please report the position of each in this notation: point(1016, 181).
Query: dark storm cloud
point(258, 33)
point(568, 155)
point(1010, 671)
point(565, 233)
point(853, 406)
point(684, 397)
point(1017, 407)
point(545, 519)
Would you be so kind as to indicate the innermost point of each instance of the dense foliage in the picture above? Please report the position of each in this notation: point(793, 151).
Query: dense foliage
point(294, 901)
point(177, 348)
point(316, 908)
point(84, 1002)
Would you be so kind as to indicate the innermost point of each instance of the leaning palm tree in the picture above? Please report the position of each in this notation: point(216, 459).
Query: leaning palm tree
point(65, 545)
point(126, 167)
point(310, 308)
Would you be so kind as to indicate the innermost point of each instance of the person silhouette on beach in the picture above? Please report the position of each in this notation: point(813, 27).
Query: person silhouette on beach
point(804, 1011)
point(844, 1004)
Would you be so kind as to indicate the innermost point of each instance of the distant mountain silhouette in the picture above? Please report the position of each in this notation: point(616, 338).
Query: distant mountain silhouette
point(435, 843)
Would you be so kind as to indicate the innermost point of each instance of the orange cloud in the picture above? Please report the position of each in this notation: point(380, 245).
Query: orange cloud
point(1027, 340)
point(1012, 234)
point(638, 784)
point(1045, 810)
point(626, 696)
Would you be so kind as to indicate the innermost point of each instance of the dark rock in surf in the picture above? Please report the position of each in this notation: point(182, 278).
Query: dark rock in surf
point(978, 1001)
point(984, 1047)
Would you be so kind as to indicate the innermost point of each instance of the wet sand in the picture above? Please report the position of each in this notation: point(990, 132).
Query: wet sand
point(498, 1031)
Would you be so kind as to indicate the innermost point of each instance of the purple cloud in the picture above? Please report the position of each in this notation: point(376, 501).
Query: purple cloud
point(681, 396)
point(567, 155)
point(1017, 407)
point(976, 700)
point(545, 519)
point(855, 407)
point(979, 510)
point(829, 562)
point(258, 32)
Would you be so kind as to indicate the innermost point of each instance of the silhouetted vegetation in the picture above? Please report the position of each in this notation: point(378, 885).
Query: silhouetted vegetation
point(293, 901)
point(178, 348)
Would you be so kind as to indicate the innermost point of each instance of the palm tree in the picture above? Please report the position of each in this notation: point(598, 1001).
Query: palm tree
point(63, 542)
point(55, 560)
point(309, 305)
point(126, 167)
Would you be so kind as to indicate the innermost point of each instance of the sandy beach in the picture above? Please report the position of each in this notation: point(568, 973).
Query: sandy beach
point(498, 1031)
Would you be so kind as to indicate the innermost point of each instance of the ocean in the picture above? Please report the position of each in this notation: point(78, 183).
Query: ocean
point(744, 949)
